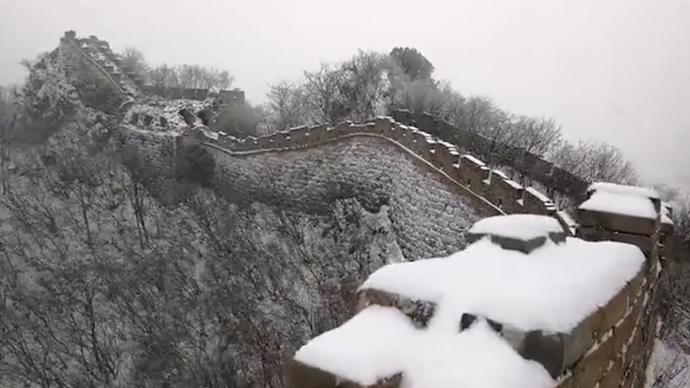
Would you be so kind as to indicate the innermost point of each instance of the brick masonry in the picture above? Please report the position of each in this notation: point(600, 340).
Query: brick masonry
point(432, 195)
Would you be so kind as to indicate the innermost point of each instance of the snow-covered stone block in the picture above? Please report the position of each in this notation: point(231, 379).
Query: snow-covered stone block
point(305, 376)
point(520, 232)
point(380, 345)
point(445, 157)
point(419, 311)
point(627, 209)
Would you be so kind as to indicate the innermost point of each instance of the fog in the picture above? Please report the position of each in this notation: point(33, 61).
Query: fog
point(615, 71)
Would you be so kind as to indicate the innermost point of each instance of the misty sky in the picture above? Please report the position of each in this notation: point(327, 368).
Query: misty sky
point(612, 70)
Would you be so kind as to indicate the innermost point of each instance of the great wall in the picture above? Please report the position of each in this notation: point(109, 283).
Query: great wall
point(434, 190)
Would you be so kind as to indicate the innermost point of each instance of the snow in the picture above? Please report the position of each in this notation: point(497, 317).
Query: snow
point(623, 189)
point(617, 202)
point(380, 342)
point(509, 286)
point(551, 289)
point(542, 197)
point(666, 214)
point(517, 226)
point(569, 221)
point(473, 160)
point(500, 174)
point(374, 331)
point(669, 365)
point(514, 184)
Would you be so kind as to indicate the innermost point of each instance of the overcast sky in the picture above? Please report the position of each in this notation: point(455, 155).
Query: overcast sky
point(611, 70)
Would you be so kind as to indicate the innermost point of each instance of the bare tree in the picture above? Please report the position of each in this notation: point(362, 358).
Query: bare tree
point(364, 85)
point(534, 135)
point(286, 105)
point(163, 76)
point(324, 94)
point(133, 60)
point(480, 114)
point(595, 162)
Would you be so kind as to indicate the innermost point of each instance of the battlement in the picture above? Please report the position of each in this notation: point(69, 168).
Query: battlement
point(465, 171)
point(110, 64)
point(526, 164)
point(596, 328)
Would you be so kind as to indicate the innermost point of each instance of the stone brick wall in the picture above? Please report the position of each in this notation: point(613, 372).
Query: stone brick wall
point(529, 166)
point(432, 195)
point(104, 61)
point(177, 93)
point(466, 173)
point(95, 86)
point(609, 348)
point(616, 342)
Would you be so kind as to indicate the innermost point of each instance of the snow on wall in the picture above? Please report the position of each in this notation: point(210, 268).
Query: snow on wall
point(380, 342)
point(528, 165)
point(360, 166)
point(467, 176)
point(519, 226)
point(590, 303)
point(620, 203)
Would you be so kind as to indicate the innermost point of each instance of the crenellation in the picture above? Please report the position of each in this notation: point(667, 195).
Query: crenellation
point(282, 140)
point(340, 129)
point(266, 142)
point(466, 170)
point(319, 133)
point(382, 126)
point(445, 157)
point(526, 164)
point(505, 192)
point(473, 172)
point(537, 203)
point(422, 144)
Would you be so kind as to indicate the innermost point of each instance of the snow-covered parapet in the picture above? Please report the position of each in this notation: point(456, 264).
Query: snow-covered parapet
point(488, 316)
point(521, 232)
point(465, 173)
point(621, 208)
point(623, 213)
point(633, 215)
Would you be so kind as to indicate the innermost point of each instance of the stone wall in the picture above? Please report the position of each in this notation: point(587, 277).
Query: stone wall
point(620, 336)
point(434, 194)
point(609, 348)
point(177, 93)
point(96, 88)
point(531, 167)
point(467, 173)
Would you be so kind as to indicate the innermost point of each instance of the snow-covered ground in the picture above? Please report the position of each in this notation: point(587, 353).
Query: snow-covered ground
point(668, 367)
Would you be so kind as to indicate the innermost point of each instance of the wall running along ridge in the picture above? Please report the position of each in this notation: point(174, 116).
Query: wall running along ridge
point(434, 194)
point(527, 165)
point(609, 348)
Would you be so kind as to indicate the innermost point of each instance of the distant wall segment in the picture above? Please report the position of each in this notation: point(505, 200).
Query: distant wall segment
point(530, 166)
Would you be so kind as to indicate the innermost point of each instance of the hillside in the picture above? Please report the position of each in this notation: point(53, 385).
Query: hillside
point(124, 264)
